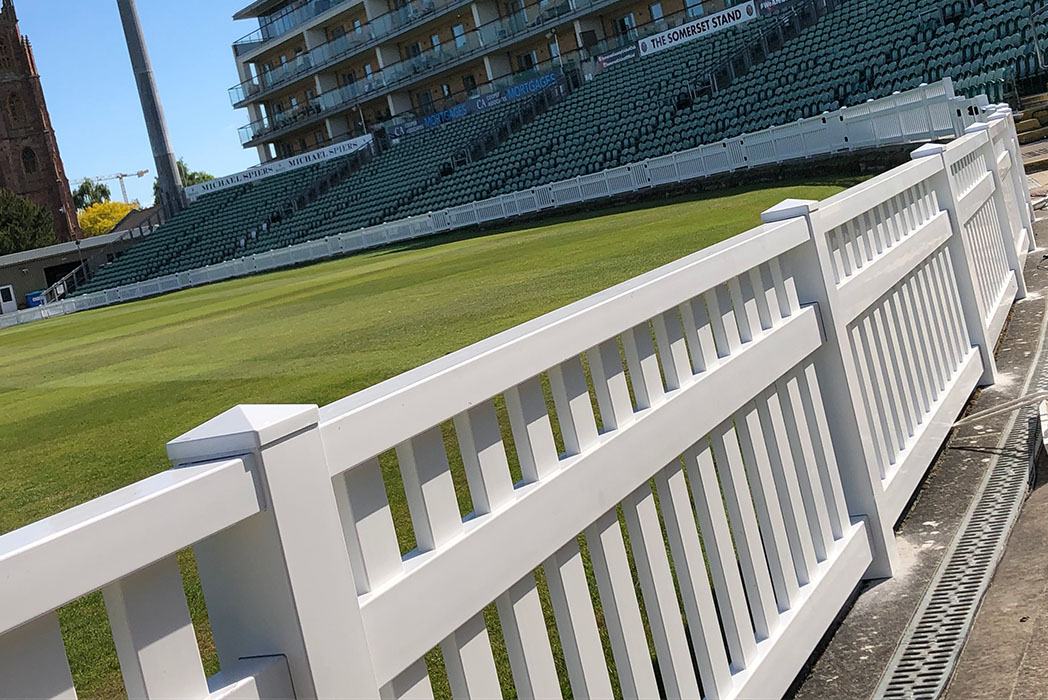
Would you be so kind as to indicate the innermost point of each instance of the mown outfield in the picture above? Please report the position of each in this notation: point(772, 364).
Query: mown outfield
point(90, 400)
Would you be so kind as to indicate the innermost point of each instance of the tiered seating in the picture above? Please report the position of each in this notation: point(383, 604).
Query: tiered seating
point(599, 126)
point(383, 189)
point(634, 110)
point(217, 227)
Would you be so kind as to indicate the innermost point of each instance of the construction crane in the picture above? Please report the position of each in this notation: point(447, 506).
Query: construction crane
point(104, 178)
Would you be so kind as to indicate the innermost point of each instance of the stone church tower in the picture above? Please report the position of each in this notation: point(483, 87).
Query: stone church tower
point(29, 162)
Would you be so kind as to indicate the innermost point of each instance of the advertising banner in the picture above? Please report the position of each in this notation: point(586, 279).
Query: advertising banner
point(476, 104)
point(193, 192)
point(617, 56)
point(698, 28)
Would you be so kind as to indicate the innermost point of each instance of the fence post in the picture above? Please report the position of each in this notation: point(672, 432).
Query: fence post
point(280, 583)
point(967, 278)
point(1021, 186)
point(813, 276)
point(1001, 206)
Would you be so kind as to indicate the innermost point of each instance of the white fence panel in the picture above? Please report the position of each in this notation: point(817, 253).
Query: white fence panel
point(620, 180)
point(565, 192)
point(662, 170)
point(594, 186)
point(742, 328)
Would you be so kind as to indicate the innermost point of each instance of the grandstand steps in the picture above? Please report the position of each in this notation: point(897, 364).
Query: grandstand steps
point(1033, 135)
point(1032, 103)
point(1025, 125)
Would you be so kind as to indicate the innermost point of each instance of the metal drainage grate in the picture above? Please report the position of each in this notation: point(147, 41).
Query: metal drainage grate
point(932, 643)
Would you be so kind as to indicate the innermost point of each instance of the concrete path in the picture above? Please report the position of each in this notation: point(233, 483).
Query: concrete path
point(855, 655)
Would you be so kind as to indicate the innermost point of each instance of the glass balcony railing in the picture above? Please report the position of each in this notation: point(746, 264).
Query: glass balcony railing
point(295, 14)
point(372, 32)
point(482, 39)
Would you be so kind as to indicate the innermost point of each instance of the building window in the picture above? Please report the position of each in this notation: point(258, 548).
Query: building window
point(5, 54)
point(694, 8)
point(356, 26)
point(16, 109)
point(338, 32)
point(349, 78)
point(435, 40)
point(367, 69)
point(320, 137)
point(425, 103)
point(554, 50)
point(656, 11)
point(413, 50)
point(460, 35)
point(526, 61)
point(469, 83)
point(29, 163)
point(625, 25)
point(446, 90)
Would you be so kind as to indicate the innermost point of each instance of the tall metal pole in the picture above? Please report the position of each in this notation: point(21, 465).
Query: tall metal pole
point(172, 199)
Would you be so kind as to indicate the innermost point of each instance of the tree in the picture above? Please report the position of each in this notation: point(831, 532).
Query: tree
point(189, 177)
point(90, 192)
point(102, 217)
point(23, 224)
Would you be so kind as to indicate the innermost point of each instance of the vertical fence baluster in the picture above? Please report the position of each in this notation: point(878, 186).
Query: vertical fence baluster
point(367, 525)
point(747, 536)
point(435, 519)
point(154, 636)
point(724, 568)
point(565, 575)
point(710, 655)
point(766, 502)
point(33, 661)
point(519, 609)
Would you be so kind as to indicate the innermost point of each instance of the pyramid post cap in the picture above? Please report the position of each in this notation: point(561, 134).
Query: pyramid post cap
point(789, 209)
point(928, 149)
point(240, 430)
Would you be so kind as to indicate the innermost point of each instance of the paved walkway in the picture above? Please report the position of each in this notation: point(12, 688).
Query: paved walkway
point(857, 653)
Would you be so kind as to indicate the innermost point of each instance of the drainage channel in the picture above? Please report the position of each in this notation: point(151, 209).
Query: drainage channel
point(931, 645)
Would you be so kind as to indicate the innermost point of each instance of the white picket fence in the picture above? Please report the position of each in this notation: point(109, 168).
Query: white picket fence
point(924, 113)
point(785, 390)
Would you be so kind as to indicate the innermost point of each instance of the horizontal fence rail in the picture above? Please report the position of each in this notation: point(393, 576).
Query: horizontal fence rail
point(925, 113)
point(704, 461)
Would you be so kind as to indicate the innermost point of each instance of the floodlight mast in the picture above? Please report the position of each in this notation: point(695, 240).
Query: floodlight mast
point(172, 198)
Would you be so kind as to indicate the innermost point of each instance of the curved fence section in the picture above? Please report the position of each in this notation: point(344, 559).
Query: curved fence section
point(704, 461)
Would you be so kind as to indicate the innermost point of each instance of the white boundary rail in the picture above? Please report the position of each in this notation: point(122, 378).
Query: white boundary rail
point(785, 390)
point(925, 113)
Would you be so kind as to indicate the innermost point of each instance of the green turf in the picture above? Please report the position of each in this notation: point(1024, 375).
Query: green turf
point(90, 399)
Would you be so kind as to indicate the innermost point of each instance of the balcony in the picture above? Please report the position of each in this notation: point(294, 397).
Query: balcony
point(479, 41)
point(278, 25)
point(375, 31)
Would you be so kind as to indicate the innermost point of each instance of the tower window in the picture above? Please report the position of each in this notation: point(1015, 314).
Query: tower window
point(29, 163)
point(16, 109)
point(5, 54)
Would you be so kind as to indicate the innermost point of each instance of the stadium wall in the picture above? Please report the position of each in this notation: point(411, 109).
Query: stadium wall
point(925, 113)
point(841, 339)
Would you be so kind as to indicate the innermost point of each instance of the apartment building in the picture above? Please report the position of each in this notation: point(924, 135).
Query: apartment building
point(316, 72)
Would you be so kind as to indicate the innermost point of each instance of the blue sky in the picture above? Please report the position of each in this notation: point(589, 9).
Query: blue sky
point(91, 94)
